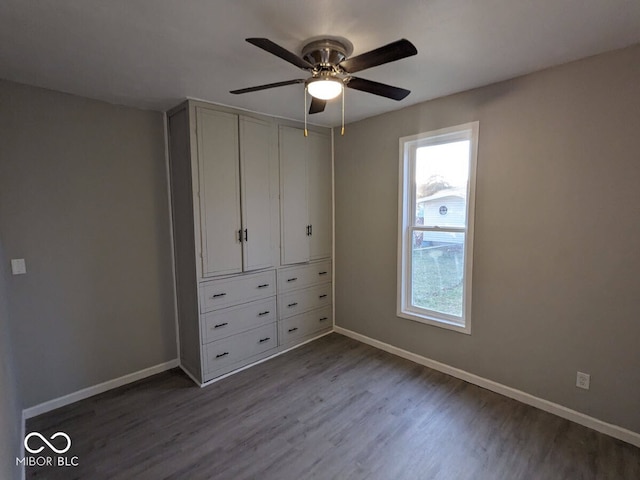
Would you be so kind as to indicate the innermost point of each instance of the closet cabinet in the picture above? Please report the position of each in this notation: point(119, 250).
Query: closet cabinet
point(231, 174)
point(305, 195)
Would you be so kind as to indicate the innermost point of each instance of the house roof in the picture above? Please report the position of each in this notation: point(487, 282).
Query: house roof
point(459, 192)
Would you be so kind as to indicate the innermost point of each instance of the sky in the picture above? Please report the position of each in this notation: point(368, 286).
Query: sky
point(449, 160)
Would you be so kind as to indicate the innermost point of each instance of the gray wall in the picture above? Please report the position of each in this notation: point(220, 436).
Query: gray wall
point(10, 402)
point(83, 198)
point(556, 279)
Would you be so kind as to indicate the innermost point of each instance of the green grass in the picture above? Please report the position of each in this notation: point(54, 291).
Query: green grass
point(437, 279)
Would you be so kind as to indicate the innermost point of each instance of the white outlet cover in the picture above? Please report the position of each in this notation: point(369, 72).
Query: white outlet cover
point(583, 380)
point(18, 266)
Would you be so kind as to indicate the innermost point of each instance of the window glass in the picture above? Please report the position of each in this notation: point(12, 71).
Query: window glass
point(437, 272)
point(442, 173)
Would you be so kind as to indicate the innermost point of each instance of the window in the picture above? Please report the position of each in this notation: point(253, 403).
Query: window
point(436, 211)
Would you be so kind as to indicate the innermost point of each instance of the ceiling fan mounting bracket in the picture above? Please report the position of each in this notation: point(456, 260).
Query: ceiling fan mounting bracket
point(324, 54)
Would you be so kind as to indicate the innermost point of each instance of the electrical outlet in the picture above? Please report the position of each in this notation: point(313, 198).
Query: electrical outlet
point(583, 380)
point(18, 267)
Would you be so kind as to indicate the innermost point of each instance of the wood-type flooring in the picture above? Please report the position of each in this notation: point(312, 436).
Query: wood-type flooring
point(332, 409)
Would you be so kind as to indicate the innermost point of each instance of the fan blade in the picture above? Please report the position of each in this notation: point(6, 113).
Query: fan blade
point(268, 85)
point(317, 105)
point(389, 53)
point(369, 86)
point(278, 51)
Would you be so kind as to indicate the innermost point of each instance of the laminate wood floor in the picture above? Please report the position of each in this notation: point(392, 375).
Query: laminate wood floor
point(332, 409)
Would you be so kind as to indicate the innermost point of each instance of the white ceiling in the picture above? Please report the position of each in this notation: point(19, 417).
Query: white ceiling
point(154, 53)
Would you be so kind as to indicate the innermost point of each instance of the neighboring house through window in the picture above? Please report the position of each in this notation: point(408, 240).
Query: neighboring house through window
point(436, 212)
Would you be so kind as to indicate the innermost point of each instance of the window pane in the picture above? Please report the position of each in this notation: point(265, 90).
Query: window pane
point(437, 270)
point(442, 174)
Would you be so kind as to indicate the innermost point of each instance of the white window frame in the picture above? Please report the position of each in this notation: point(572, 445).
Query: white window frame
point(406, 225)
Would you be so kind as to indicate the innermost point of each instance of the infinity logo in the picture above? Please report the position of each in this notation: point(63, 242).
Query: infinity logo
point(52, 447)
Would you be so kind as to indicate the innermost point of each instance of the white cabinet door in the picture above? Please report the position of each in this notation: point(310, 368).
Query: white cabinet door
point(220, 224)
point(319, 195)
point(255, 151)
point(293, 195)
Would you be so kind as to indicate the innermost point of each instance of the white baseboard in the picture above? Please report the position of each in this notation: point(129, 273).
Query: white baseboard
point(96, 389)
point(614, 431)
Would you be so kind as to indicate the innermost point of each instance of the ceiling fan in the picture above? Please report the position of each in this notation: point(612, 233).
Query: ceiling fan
point(327, 61)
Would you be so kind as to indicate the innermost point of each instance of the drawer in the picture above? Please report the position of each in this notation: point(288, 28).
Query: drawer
point(294, 328)
point(228, 351)
point(229, 321)
point(294, 278)
point(300, 301)
point(234, 290)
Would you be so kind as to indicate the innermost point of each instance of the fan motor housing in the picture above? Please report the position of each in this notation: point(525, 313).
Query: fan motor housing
point(324, 53)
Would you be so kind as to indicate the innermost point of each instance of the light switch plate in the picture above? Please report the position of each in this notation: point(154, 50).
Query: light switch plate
point(18, 266)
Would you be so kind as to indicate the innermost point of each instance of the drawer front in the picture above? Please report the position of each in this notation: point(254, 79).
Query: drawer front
point(229, 321)
point(299, 301)
point(296, 327)
point(224, 353)
point(231, 291)
point(294, 278)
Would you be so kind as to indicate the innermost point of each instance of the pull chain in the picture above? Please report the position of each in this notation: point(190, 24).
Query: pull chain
point(306, 133)
point(342, 131)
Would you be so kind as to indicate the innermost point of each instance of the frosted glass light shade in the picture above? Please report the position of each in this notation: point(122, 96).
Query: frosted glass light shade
point(325, 88)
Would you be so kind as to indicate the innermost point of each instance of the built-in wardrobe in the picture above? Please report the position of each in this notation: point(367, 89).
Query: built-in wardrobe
point(252, 223)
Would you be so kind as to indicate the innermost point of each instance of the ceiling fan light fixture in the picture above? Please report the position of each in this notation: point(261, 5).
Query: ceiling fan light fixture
point(325, 88)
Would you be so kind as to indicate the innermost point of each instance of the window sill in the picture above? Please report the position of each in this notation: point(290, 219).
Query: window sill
point(436, 322)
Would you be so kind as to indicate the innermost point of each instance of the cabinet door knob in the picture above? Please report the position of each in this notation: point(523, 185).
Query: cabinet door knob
point(262, 340)
point(322, 296)
point(292, 279)
point(323, 319)
point(292, 304)
point(220, 325)
point(262, 314)
point(322, 273)
point(293, 329)
point(264, 285)
point(222, 354)
point(246, 235)
point(217, 295)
